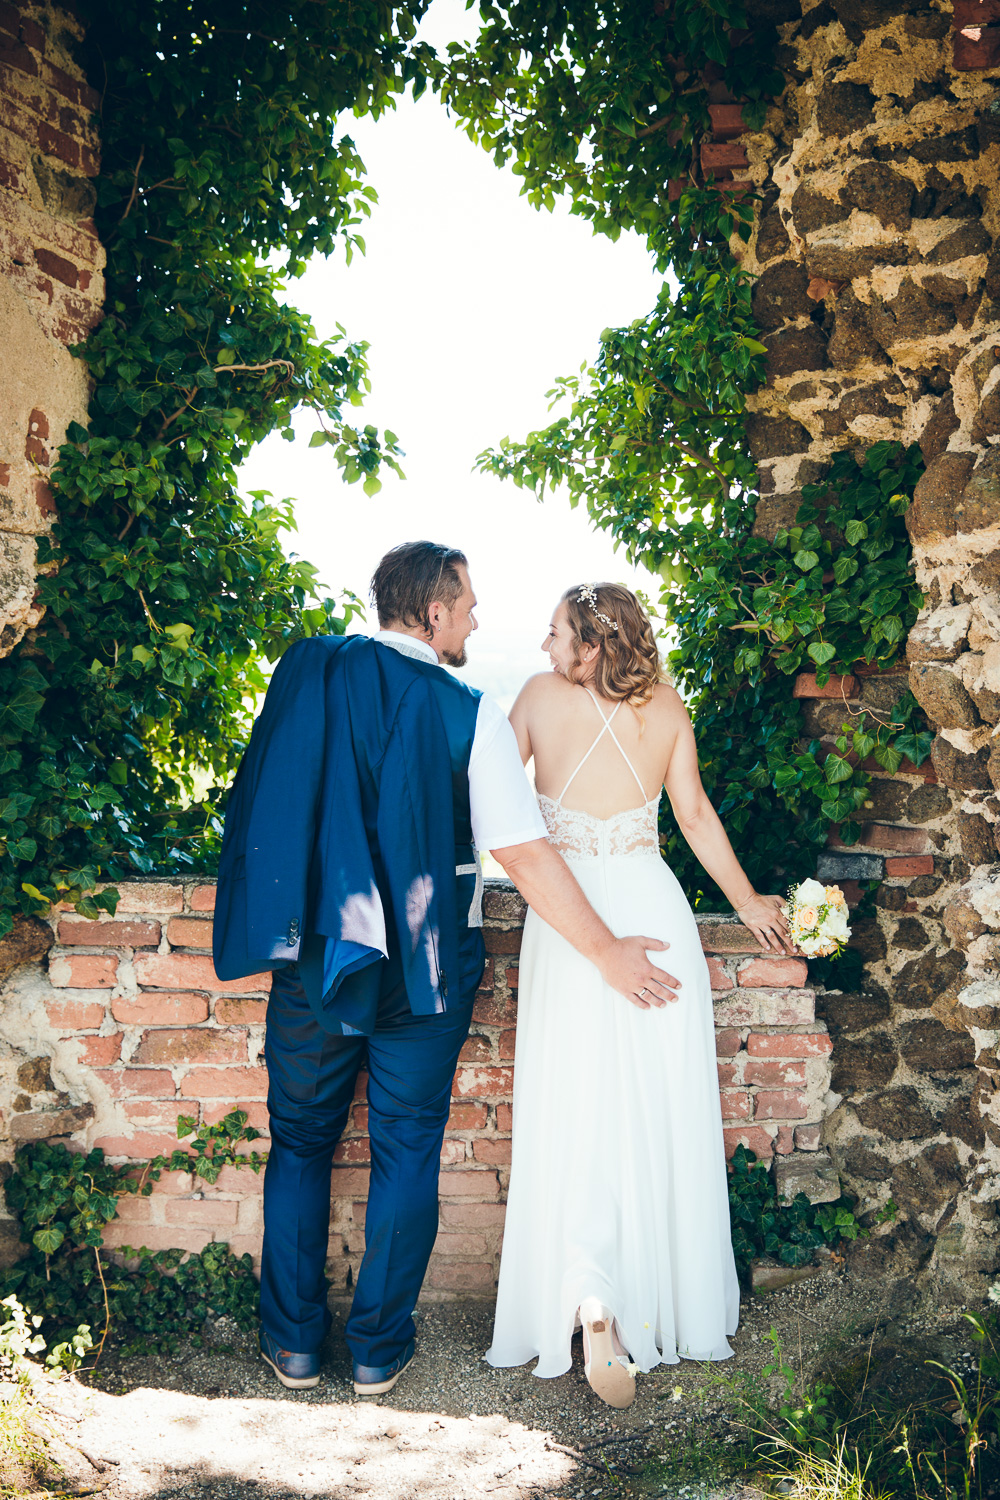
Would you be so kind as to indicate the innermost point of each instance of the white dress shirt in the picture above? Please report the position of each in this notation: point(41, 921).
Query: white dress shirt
point(502, 802)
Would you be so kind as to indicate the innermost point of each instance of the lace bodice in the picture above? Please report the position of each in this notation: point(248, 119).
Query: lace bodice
point(579, 835)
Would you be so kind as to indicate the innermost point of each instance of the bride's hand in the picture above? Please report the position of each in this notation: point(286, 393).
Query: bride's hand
point(765, 917)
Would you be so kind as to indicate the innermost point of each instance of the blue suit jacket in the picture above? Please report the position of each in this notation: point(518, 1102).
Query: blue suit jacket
point(343, 825)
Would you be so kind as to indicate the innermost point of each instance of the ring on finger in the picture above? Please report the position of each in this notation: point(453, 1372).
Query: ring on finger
point(642, 992)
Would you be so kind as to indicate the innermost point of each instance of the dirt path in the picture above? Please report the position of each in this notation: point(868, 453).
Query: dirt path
point(215, 1422)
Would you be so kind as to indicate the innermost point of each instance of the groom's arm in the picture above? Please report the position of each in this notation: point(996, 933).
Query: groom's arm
point(547, 884)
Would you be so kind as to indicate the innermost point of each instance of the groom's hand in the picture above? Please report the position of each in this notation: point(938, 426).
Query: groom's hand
point(627, 969)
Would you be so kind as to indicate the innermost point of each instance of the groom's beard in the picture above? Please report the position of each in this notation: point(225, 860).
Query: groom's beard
point(455, 658)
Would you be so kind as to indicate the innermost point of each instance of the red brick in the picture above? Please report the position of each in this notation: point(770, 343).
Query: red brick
point(453, 1154)
point(717, 976)
point(753, 1137)
point(461, 1276)
point(204, 1213)
point(75, 1015)
point(350, 1182)
point(109, 934)
point(241, 1180)
point(780, 1104)
point(100, 1051)
point(359, 1117)
point(727, 119)
point(807, 1137)
point(462, 1117)
point(157, 1237)
point(361, 1087)
point(852, 892)
point(159, 1114)
point(777, 973)
point(885, 837)
point(32, 34)
point(238, 1084)
point(727, 1074)
point(142, 896)
point(193, 971)
point(254, 1109)
point(491, 1010)
point(60, 81)
point(138, 1147)
point(191, 1045)
point(19, 58)
point(133, 1210)
point(736, 1105)
point(505, 1118)
point(486, 983)
point(126, 1083)
point(189, 932)
point(460, 1244)
point(840, 688)
point(353, 1152)
point(231, 1011)
point(727, 937)
point(55, 143)
point(774, 1073)
point(511, 976)
point(476, 1049)
point(483, 1083)
point(83, 971)
point(473, 1215)
point(919, 864)
point(784, 1140)
point(503, 942)
point(727, 1042)
point(722, 156)
point(203, 898)
point(496, 1153)
point(160, 1008)
point(56, 265)
point(482, 1186)
point(789, 1044)
point(507, 1042)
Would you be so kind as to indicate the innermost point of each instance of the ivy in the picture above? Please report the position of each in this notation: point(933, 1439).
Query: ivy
point(64, 1201)
point(124, 715)
point(792, 1232)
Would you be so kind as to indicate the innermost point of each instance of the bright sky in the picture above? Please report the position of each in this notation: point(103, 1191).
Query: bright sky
point(473, 302)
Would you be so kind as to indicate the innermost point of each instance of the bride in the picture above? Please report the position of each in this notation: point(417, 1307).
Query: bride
point(618, 1214)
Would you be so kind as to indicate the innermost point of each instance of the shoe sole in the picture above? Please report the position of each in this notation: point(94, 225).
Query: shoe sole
point(287, 1380)
point(606, 1377)
point(380, 1387)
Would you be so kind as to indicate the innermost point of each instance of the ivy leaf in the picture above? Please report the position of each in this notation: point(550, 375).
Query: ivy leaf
point(836, 768)
point(855, 531)
point(805, 559)
point(48, 1239)
point(822, 652)
point(889, 757)
point(916, 746)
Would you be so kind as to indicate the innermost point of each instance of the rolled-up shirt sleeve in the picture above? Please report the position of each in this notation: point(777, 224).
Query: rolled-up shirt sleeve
point(502, 802)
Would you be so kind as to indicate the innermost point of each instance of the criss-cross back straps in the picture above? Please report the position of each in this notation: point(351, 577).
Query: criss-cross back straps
point(605, 730)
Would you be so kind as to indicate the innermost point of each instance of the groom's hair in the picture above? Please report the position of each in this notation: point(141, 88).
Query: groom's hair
point(411, 578)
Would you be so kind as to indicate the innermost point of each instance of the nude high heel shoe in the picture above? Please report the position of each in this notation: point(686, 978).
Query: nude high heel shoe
point(610, 1376)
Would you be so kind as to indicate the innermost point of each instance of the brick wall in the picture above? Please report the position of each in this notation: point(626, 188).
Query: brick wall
point(125, 1027)
point(51, 287)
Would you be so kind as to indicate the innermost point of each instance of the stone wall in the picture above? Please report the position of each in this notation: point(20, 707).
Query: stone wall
point(879, 293)
point(124, 1027)
point(51, 288)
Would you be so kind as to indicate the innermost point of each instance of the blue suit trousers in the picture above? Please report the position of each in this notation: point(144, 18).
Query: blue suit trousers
point(312, 1075)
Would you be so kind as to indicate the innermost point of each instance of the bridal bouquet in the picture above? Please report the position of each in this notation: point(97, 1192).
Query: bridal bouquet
point(817, 916)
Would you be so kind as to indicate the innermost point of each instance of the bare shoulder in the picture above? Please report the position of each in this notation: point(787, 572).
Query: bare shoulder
point(668, 702)
point(544, 687)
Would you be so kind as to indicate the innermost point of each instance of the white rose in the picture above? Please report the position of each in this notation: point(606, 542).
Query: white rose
point(835, 924)
point(810, 946)
point(811, 893)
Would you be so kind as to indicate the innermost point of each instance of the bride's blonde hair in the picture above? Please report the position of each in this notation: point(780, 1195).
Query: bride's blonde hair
point(610, 617)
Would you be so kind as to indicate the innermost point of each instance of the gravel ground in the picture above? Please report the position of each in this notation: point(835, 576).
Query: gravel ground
point(215, 1423)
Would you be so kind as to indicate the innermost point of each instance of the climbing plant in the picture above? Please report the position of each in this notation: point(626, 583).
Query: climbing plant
point(607, 104)
point(123, 716)
point(226, 164)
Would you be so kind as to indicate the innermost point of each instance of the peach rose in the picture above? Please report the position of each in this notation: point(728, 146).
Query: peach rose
point(806, 917)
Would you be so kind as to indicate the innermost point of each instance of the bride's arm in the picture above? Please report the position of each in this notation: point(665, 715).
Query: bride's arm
point(519, 717)
point(703, 830)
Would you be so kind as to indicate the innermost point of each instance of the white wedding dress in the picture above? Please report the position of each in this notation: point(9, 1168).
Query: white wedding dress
point(618, 1184)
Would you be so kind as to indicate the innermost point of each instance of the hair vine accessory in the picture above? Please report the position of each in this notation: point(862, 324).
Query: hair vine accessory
point(588, 596)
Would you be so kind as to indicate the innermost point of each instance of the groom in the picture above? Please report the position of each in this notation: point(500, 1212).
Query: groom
point(350, 868)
